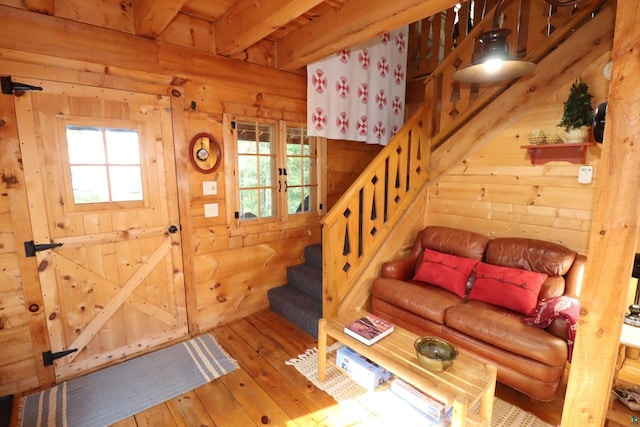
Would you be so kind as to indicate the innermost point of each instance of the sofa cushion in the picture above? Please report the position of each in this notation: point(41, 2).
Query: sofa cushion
point(418, 298)
point(451, 241)
point(506, 329)
point(446, 271)
point(511, 288)
point(549, 258)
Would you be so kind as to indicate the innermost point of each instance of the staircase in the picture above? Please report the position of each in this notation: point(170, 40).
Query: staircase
point(300, 300)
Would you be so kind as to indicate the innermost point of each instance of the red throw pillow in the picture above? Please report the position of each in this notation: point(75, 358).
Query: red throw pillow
point(511, 288)
point(446, 271)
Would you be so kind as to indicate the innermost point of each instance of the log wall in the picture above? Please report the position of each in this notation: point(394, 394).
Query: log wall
point(227, 277)
point(345, 161)
point(498, 192)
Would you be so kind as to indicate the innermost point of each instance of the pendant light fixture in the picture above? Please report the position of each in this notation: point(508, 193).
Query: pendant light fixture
point(494, 63)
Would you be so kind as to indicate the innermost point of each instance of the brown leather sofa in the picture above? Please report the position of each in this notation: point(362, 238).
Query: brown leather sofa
point(529, 359)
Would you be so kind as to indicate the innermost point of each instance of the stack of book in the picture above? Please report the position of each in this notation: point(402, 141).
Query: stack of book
point(436, 413)
point(369, 329)
point(367, 374)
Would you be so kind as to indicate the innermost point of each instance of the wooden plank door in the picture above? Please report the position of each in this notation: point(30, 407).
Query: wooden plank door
point(100, 178)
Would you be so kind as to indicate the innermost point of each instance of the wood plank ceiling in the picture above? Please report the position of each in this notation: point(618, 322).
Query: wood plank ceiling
point(293, 32)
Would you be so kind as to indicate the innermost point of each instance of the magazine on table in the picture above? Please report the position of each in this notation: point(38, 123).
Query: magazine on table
point(369, 329)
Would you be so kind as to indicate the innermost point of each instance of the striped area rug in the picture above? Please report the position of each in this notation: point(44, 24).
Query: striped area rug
point(107, 396)
point(384, 408)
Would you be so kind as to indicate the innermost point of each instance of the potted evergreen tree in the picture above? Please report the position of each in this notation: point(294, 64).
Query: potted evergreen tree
point(578, 112)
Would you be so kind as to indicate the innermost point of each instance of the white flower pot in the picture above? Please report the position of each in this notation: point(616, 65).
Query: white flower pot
point(578, 134)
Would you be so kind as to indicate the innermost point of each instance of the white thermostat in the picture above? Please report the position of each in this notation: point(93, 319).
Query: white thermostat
point(585, 174)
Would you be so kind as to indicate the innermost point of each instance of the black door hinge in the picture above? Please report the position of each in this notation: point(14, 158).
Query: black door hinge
point(48, 357)
point(8, 86)
point(30, 248)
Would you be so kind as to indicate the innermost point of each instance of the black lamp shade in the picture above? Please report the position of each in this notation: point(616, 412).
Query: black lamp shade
point(495, 63)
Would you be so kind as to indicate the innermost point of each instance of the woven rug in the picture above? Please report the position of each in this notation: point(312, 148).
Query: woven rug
point(384, 408)
point(107, 396)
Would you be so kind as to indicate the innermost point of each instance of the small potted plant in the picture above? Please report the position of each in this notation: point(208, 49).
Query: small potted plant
point(578, 112)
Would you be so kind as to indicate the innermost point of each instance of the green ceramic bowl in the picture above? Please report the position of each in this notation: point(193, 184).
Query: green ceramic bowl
point(435, 354)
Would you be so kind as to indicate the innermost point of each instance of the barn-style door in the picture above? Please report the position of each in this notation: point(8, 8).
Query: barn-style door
point(100, 179)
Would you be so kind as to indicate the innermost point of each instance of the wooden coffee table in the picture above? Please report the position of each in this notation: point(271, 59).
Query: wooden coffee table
point(463, 385)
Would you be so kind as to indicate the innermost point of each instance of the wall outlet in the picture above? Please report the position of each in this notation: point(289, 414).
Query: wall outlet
point(210, 210)
point(210, 188)
point(585, 174)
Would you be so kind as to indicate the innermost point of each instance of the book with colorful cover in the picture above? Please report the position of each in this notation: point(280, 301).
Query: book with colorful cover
point(368, 329)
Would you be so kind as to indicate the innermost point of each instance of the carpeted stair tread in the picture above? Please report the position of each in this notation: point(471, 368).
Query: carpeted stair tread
point(297, 307)
point(313, 255)
point(306, 279)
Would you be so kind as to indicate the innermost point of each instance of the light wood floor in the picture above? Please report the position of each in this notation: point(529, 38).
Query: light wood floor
point(265, 391)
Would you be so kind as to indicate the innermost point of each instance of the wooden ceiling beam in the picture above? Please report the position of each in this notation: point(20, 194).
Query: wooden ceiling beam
point(248, 21)
point(153, 16)
point(39, 6)
point(355, 22)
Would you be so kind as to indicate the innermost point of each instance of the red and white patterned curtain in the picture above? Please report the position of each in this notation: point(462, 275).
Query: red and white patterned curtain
point(358, 94)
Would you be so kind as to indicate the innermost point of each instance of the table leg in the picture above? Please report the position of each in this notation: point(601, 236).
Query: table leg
point(460, 409)
point(486, 403)
point(322, 350)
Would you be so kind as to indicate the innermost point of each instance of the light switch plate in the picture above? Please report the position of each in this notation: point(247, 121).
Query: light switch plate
point(210, 210)
point(209, 188)
point(585, 174)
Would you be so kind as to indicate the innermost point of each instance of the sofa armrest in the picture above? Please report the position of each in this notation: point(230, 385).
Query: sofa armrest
point(573, 278)
point(400, 269)
point(558, 327)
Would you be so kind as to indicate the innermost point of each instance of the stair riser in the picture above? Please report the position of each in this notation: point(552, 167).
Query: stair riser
point(306, 279)
point(300, 309)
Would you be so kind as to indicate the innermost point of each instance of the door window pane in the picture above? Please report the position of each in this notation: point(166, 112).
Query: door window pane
point(105, 164)
point(90, 184)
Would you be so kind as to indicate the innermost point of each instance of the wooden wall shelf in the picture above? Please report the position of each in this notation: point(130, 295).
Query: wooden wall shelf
point(569, 152)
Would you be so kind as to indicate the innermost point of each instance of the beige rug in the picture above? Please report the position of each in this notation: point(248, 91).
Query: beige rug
point(384, 408)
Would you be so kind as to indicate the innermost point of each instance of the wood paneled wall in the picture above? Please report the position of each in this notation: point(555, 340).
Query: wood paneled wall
point(227, 277)
point(498, 192)
point(345, 162)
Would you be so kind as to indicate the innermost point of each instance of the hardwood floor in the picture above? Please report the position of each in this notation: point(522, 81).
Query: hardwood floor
point(265, 391)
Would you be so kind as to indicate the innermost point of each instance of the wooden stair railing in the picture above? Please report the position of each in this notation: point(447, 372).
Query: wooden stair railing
point(362, 218)
point(358, 224)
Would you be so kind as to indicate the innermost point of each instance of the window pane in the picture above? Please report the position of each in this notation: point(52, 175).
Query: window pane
point(266, 170)
point(89, 184)
point(126, 183)
point(294, 170)
point(264, 133)
point(268, 208)
point(294, 201)
point(122, 146)
point(85, 145)
point(306, 147)
point(293, 149)
point(249, 204)
point(246, 138)
point(247, 147)
point(265, 148)
point(248, 171)
point(307, 171)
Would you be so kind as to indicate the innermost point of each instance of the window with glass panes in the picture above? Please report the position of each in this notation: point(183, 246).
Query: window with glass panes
point(301, 172)
point(256, 149)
